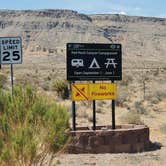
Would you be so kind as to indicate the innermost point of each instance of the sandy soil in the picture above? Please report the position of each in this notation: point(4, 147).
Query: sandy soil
point(152, 158)
point(155, 158)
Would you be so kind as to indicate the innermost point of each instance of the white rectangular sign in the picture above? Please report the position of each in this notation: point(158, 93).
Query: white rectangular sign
point(10, 50)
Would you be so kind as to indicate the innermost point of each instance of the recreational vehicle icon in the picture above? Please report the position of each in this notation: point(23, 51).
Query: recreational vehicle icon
point(77, 62)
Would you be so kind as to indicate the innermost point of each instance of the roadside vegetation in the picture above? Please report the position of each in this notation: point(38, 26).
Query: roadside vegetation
point(30, 127)
point(61, 88)
point(131, 117)
point(3, 79)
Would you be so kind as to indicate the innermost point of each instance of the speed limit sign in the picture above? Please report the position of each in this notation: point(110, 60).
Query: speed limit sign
point(10, 50)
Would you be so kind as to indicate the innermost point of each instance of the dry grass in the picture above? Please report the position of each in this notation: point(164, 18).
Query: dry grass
point(163, 128)
point(131, 118)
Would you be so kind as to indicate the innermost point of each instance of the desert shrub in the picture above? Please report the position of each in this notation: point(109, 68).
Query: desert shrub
point(99, 110)
point(61, 87)
point(154, 100)
point(29, 127)
point(140, 108)
point(126, 80)
point(131, 118)
point(3, 79)
point(90, 119)
point(156, 73)
point(160, 95)
point(101, 103)
point(46, 86)
point(163, 128)
point(82, 114)
point(122, 98)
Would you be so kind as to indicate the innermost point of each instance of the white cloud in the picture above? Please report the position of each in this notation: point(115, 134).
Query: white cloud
point(123, 13)
point(162, 15)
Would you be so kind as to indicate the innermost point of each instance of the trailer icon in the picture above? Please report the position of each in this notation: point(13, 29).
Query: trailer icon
point(77, 62)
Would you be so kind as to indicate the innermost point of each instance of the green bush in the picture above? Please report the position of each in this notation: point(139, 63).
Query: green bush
point(29, 127)
point(3, 79)
point(61, 87)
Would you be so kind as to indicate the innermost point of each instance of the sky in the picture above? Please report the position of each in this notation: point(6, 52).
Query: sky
point(152, 8)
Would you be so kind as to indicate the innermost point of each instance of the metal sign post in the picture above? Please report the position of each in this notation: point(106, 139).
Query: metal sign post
point(73, 115)
point(94, 113)
point(113, 113)
point(12, 82)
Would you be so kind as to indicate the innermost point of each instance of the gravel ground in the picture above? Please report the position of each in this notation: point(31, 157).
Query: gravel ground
point(153, 158)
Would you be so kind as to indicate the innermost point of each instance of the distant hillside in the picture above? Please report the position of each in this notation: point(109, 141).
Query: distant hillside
point(47, 32)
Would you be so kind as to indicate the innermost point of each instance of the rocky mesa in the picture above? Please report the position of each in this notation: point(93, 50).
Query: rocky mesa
point(47, 32)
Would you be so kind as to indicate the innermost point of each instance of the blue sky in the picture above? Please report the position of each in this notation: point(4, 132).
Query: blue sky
point(156, 8)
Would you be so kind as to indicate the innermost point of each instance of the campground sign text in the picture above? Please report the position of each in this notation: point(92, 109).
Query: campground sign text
point(94, 61)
